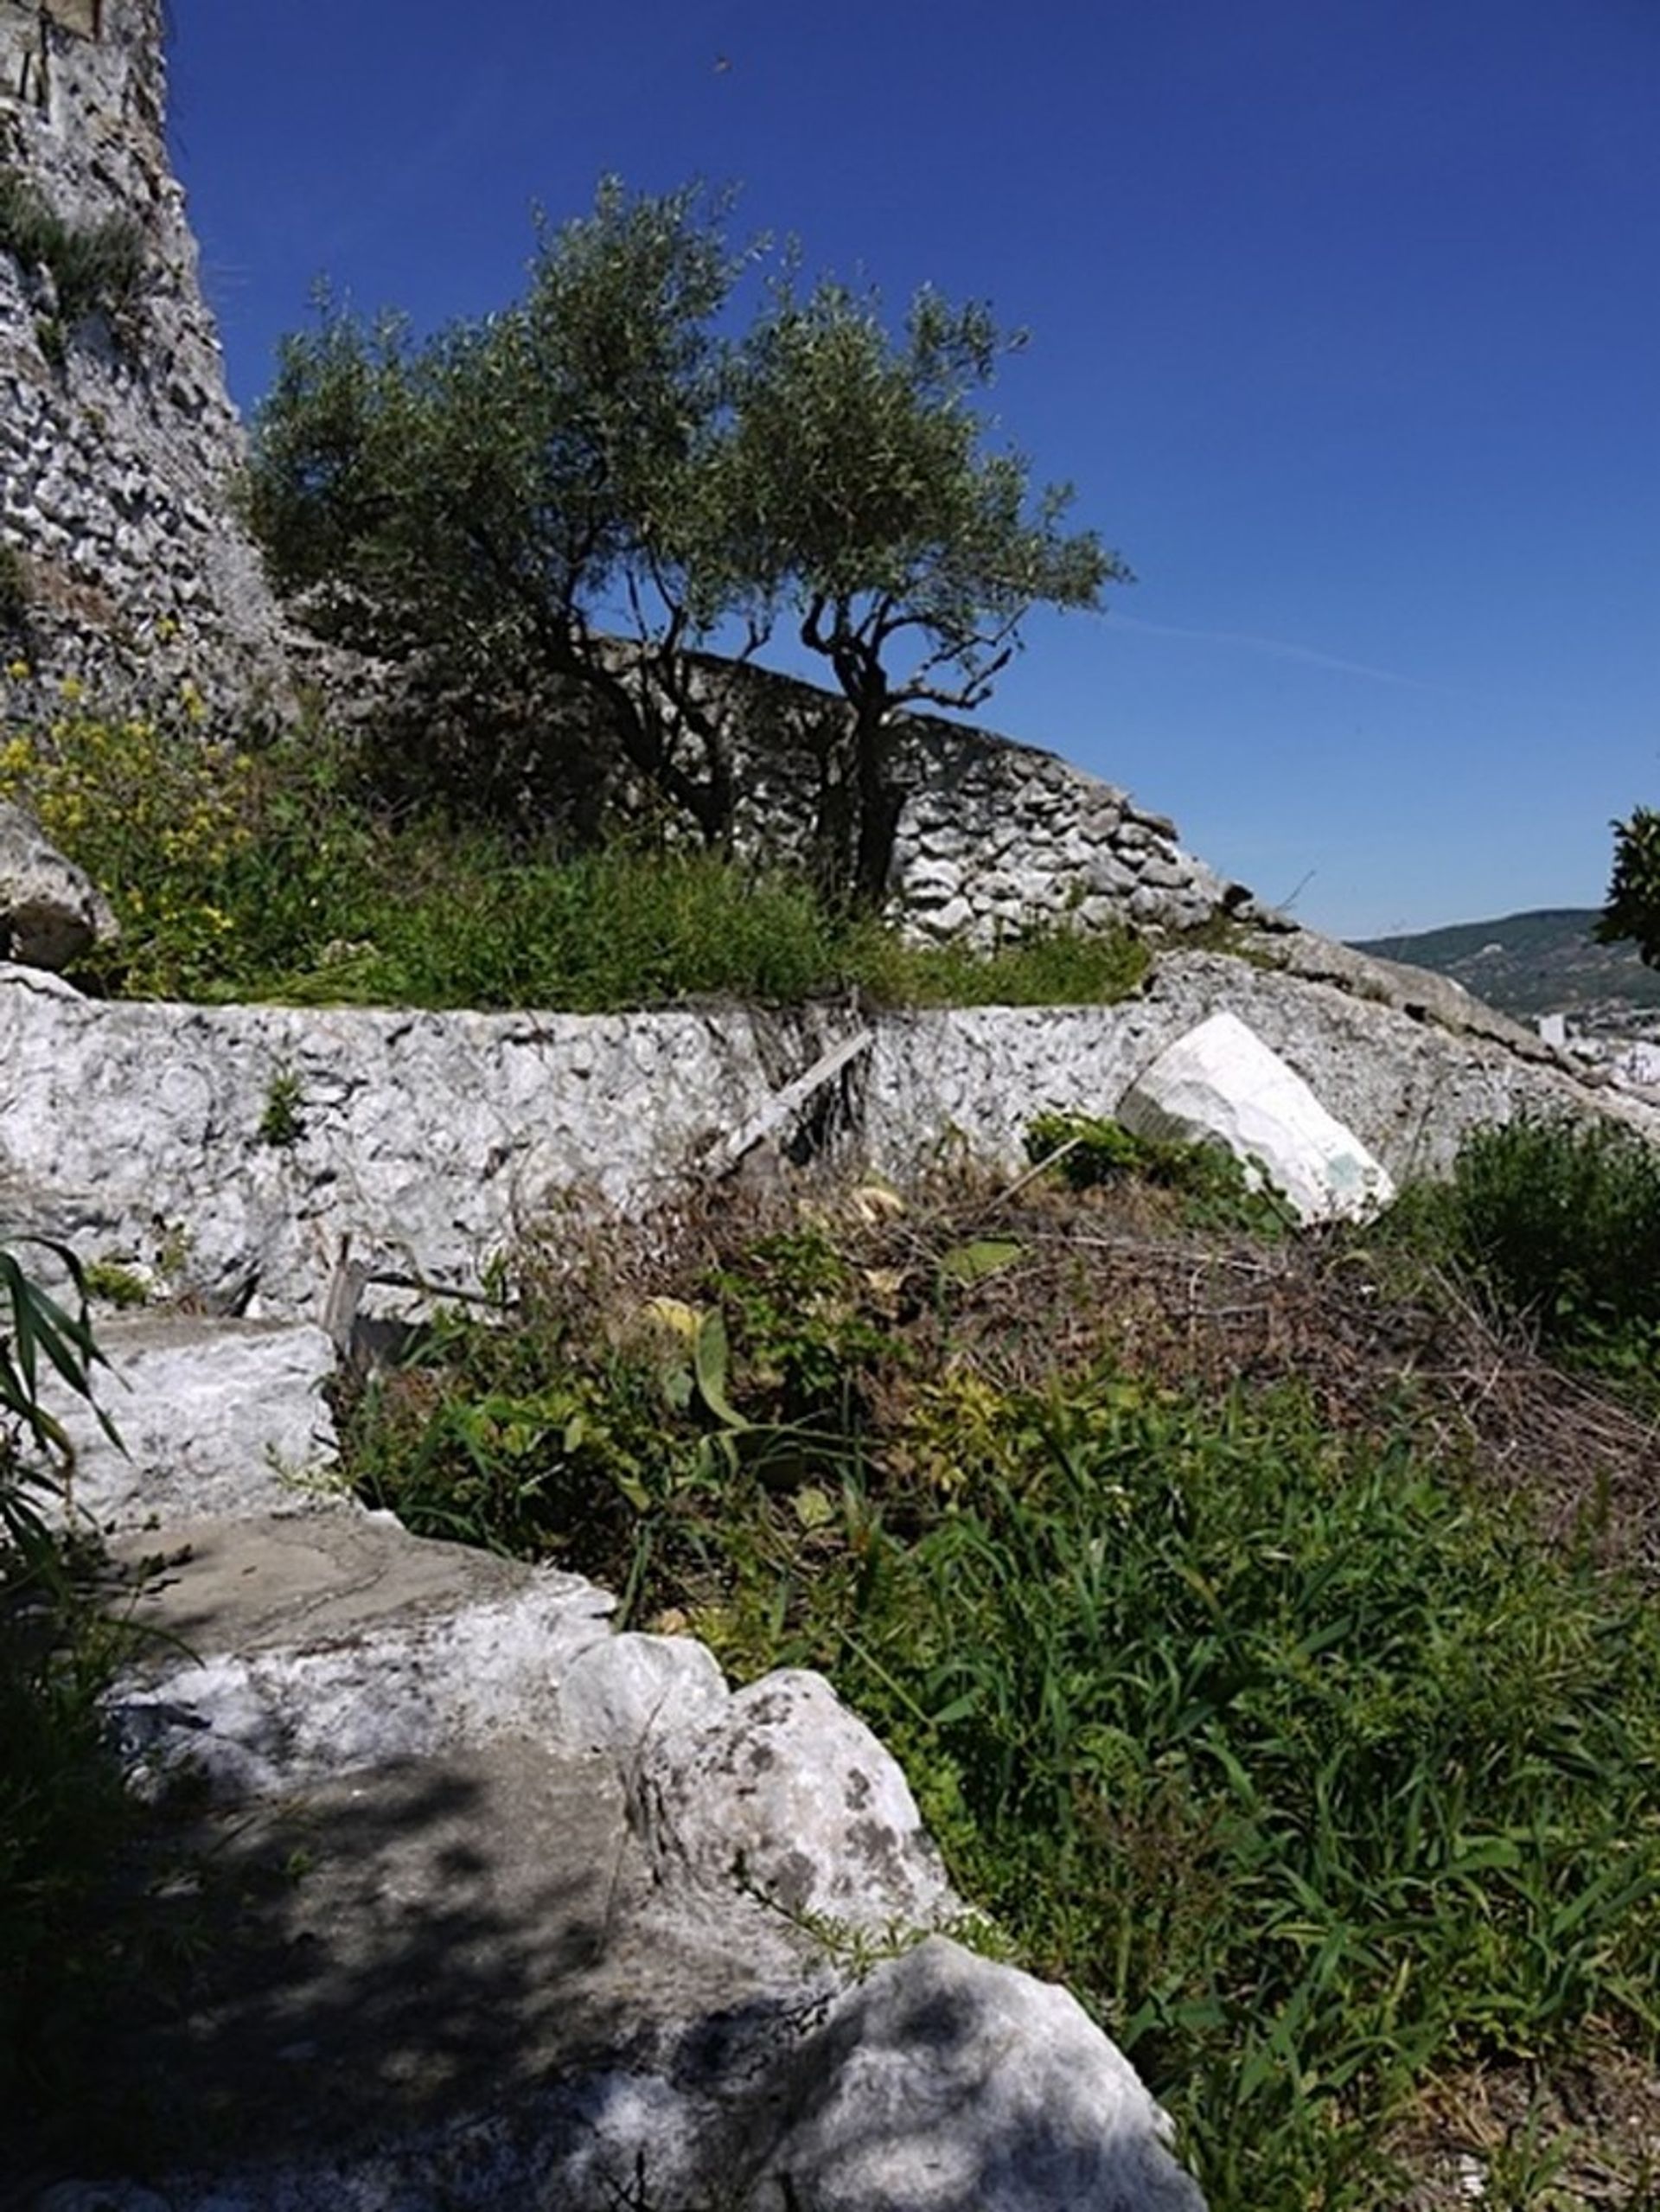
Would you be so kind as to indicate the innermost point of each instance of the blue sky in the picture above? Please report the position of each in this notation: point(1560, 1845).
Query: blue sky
point(1344, 323)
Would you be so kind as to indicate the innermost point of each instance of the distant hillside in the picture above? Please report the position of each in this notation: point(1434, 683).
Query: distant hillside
point(1545, 962)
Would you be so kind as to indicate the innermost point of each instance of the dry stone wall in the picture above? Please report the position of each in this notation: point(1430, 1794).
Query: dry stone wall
point(417, 1146)
point(118, 439)
point(995, 837)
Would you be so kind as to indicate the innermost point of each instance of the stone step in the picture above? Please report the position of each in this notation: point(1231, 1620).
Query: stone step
point(429, 1981)
point(486, 1906)
point(215, 1417)
point(290, 1649)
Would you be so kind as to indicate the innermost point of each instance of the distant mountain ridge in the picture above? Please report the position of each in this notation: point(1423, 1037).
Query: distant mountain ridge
point(1545, 961)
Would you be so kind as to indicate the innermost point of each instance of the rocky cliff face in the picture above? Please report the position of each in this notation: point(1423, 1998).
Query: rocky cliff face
point(118, 439)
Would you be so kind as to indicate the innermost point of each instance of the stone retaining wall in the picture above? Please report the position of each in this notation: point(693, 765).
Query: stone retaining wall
point(418, 1144)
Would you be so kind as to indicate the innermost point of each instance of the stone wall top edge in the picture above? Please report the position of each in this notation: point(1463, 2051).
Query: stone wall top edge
point(1177, 976)
point(527, 1024)
point(919, 723)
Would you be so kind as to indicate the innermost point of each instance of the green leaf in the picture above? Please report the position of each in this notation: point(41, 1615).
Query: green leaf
point(711, 1359)
point(631, 1487)
point(814, 1508)
point(972, 1263)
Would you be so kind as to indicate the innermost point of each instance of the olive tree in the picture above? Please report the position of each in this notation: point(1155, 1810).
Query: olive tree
point(526, 494)
point(1632, 909)
point(617, 472)
point(857, 492)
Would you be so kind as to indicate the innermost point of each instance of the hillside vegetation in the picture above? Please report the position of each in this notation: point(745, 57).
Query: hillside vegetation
point(283, 872)
point(1265, 1622)
point(1546, 961)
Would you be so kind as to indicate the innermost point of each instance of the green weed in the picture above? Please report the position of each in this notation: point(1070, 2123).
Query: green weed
point(1307, 1779)
point(96, 267)
point(1215, 1191)
point(282, 1124)
point(1312, 1770)
point(1052, 965)
point(116, 1284)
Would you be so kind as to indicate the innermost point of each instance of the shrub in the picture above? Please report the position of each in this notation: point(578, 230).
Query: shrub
point(223, 865)
point(96, 268)
point(1556, 1223)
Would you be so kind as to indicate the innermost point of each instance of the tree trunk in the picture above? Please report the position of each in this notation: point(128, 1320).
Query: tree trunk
point(879, 808)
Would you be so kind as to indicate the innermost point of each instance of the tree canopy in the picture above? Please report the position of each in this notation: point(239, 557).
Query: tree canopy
point(855, 492)
point(614, 474)
point(1632, 909)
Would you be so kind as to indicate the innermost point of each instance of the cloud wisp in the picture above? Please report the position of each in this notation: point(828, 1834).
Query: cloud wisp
point(1278, 649)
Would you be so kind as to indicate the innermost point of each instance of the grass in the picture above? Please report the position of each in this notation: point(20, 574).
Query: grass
point(1229, 1657)
point(66, 1819)
point(272, 874)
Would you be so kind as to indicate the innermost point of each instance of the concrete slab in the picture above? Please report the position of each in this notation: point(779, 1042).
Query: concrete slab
point(288, 1650)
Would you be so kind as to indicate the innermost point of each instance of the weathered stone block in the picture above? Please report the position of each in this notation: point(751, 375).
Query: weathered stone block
point(51, 913)
point(1220, 1083)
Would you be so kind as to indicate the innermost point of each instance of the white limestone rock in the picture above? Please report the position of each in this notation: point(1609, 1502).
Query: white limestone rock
point(214, 1416)
point(51, 911)
point(786, 1795)
point(42, 982)
point(1221, 1082)
point(946, 2080)
point(630, 1687)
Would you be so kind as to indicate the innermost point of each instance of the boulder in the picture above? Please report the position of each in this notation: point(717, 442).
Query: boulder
point(785, 1794)
point(946, 2081)
point(51, 913)
point(629, 1687)
point(1220, 1082)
